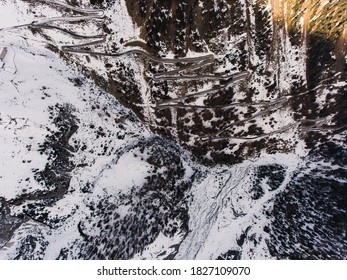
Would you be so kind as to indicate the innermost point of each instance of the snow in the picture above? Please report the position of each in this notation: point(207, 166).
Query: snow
point(22, 118)
point(222, 209)
point(220, 204)
point(43, 80)
point(116, 179)
point(159, 249)
point(119, 15)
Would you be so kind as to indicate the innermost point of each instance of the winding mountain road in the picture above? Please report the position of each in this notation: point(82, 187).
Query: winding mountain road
point(191, 63)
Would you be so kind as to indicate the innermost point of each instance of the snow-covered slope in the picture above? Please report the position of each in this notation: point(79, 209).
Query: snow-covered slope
point(253, 169)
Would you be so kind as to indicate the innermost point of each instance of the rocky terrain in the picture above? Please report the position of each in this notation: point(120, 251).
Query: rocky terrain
point(173, 129)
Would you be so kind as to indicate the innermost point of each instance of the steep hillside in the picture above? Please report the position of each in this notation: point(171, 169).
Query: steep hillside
point(294, 53)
